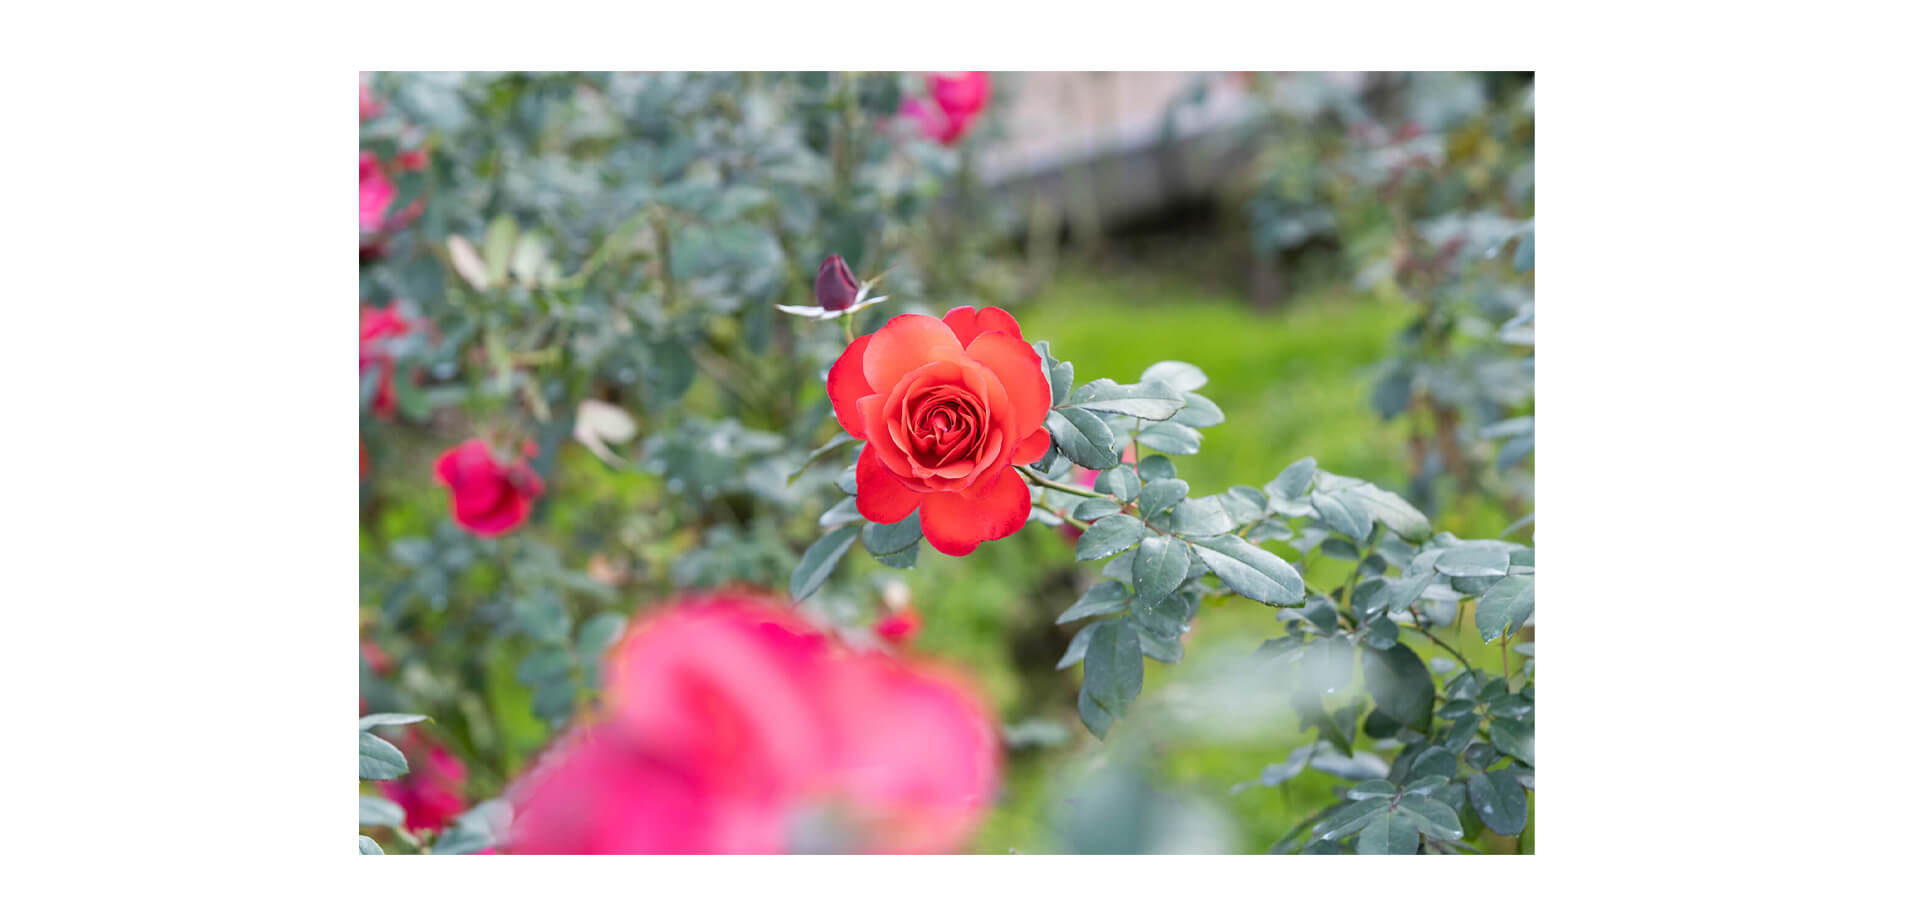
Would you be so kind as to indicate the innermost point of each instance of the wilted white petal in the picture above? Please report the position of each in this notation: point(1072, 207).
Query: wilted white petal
point(466, 262)
point(596, 423)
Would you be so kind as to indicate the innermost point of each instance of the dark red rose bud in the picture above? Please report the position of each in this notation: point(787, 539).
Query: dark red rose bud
point(835, 288)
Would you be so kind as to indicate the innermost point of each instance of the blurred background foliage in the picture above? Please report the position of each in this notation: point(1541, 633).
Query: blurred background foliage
point(1355, 279)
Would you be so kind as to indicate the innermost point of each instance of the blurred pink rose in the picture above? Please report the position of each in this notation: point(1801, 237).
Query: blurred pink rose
point(376, 192)
point(377, 330)
point(433, 790)
point(731, 726)
point(958, 99)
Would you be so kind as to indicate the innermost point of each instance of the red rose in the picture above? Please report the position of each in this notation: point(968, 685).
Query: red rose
point(899, 628)
point(958, 99)
point(432, 793)
point(489, 498)
point(377, 329)
point(947, 407)
point(730, 726)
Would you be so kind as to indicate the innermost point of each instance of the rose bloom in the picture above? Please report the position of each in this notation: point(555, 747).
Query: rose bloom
point(899, 627)
point(946, 408)
point(730, 726)
point(489, 497)
point(958, 99)
point(378, 329)
point(376, 193)
point(433, 790)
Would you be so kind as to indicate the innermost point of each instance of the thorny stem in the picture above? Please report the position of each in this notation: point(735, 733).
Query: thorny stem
point(1448, 648)
point(1046, 483)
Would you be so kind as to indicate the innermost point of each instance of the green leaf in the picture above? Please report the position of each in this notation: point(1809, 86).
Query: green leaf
point(1160, 494)
point(1514, 739)
point(1431, 817)
point(903, 559)
point(369, 848)
point(1107, 536)
point(1201, 517)
point(1342, 515)
point(818, 561)
point(1096, 719)
point(1245, 504)
point(1428, 784)
point(1161, 648)
point(887, 539)
point(1293, 481)
point(1101, 599)
point(1320, 613)
point(482, 827)
point(1472, 560)
point(832, 444)
point(544, 665)
point(597, 634)
point(1170, 438)
point(1505, 607)
point(1165, 617)
point(1114, 666)
point(1390, 509)
point(1455, 709)
point(1121, 482)
point(1158, 568)
point(1352, 817)
point(1327, 667)
point(1176, 375)
point(1148, 400)
point(1076, 649)
point(1499, 801)
point(1200, 412)
point(1434, 761)
point(1251, 572)
point(1400, 685)
point(845, 511)
point(1120, 566)
point(1083, 438)
point(1094, 509)
point(1390, 834)
point(390, 718)
point(380, 760)
point(1373, 789)
point(1156, 467)
point(378, 812)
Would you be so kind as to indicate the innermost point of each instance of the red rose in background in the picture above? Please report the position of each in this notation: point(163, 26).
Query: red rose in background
point(433, 791)
point(378, 329)
point(489, 497)
point(947, 407)
point(899, 628)
point(958, 99)
point(730, 726)
point(376, 193)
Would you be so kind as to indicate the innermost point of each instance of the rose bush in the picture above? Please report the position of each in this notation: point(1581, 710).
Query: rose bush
point(946, 407)
point(731, 726)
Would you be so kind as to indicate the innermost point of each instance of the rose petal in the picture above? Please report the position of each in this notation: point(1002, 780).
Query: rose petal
point(882, 497)
point(1018, 367)
point(1033, 448)
point(969, 323)
point(846, 383)
point(956, 522)
point(905, 343)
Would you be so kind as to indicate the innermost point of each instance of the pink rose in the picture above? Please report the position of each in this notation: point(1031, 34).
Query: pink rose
point(433, 790)
point(730, 726)
point(958, 99)
point(490, 495)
